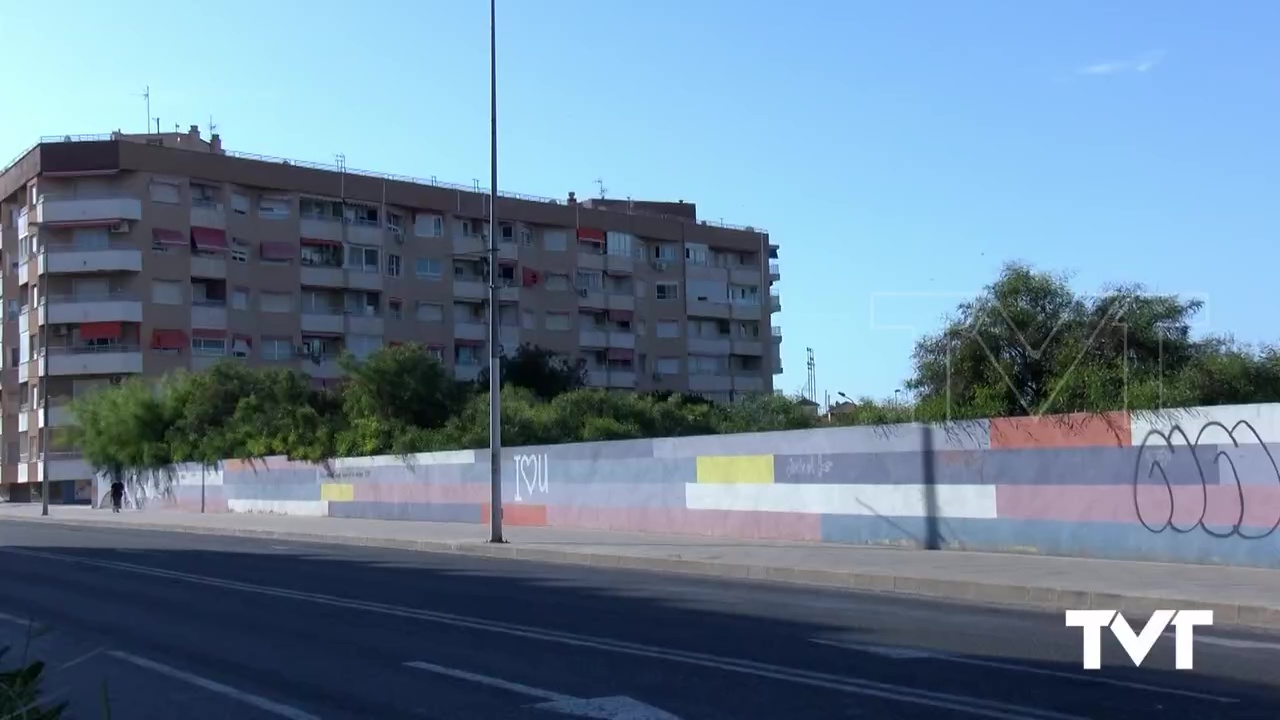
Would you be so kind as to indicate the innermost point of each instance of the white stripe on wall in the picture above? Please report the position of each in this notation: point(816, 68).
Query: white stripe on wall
point(954, 501)
point(1265, 418)
point(448, 457)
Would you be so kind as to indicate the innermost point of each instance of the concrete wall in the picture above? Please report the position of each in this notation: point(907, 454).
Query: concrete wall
point(1191, 485)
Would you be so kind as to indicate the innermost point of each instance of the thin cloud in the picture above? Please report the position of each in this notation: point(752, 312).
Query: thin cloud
point(1141, 64)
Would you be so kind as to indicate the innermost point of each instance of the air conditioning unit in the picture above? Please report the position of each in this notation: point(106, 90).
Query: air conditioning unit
point(117, 379)
point(120, 227)
point(582, 292)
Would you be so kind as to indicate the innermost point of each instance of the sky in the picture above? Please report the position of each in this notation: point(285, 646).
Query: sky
point(899, 151)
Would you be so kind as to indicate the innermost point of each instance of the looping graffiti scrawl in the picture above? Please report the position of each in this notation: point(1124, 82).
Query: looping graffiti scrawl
point(1164, 442)
point(531, 475)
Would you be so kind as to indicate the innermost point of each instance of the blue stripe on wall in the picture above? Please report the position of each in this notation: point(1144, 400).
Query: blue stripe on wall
point(1112, 541)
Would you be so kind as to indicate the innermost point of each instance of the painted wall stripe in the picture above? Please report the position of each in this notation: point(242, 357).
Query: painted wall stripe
point(756, 469)
point(954, 501)
point(338, 492)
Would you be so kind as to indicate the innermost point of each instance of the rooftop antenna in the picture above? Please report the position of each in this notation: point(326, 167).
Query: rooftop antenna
point(213, 127)
point(603, 190)
point(146, 95)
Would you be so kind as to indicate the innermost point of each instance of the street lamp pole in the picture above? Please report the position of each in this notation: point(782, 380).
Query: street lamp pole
point(495, 357)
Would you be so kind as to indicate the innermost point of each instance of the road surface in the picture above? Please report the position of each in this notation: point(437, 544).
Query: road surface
point(163, 625)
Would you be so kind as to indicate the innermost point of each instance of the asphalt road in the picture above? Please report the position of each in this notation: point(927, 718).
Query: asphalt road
point(163, 625)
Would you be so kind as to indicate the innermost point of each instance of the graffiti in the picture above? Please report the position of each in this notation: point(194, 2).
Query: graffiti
point(1164, 443)
point(808, 466)
point(531, 474)
point(351, 474)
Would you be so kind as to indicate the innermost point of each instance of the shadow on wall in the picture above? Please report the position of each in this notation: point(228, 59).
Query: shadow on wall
point(1185, 485)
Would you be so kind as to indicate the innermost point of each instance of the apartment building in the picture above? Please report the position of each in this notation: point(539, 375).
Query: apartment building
point(143, 254)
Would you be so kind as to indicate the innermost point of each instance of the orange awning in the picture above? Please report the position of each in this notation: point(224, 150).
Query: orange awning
point(209, 238)
point(101, 331)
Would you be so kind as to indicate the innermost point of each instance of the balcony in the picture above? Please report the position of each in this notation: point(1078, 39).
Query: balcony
point(508, 251)
point(710, 383)
point(360, 324)
point(321, 320)
point(593, 338)
point(745, 275)
point(118, 256)
point(327, 369)
point(774, 274)
point(707, 309)
point(85, 308)
point(509, 338)
point(365, 232)
point(60, 415)
point(703, 271)
point(748, 346)
point(364, 279)
point(209, 314)
point(745, 310)
point(709, 346)
point(623, 340)
point(470, 331)
point(53, 210)
point(208, 214)
point(747, 383)
point(775, 302)
point(97, 360)
point(591, 261)
point(592, 299)
point(320, 227)
point(209, 266)
point(469, 245)
point(470, 288)
point(467, 373)
point(67, 465)
point(322, 276)
point(620, 301)
point(623, 264)
point(24, 272)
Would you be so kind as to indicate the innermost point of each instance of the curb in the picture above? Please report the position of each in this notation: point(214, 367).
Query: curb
point(1034, 597)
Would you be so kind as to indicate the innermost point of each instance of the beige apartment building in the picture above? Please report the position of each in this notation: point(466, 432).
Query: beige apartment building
point(144, 254)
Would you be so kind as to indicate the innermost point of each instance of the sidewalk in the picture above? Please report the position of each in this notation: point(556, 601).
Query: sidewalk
point(1238, 596)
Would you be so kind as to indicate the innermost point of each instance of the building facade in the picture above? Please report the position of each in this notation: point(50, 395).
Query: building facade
point(144, 254)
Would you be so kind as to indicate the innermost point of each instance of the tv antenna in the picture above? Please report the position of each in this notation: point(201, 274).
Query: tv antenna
point(213, 127)
point(146, 96)
point(603, 190)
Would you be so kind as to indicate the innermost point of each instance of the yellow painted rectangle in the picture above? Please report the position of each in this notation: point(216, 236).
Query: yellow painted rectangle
point(338, 492)
point(756, 469)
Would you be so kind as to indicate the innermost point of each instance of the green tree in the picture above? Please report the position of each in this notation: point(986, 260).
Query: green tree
point(393, 395)
point(123, 429)
point(545, 372)
point(763, 412)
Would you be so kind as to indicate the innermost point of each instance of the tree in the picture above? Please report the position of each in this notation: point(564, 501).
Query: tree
point(1029, 344)
point(545, 372)
point(763, 412)
point(392, 394)
point(123, 429)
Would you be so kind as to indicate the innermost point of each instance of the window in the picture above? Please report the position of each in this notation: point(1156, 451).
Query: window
point(668, 329)
point(588, 280)
point(668, 366)
point(436, 352)
point(696, 254)
point(471, 228)
point(240, 347)
point(277, 348)
point(165, 192)
point(430, 312)
point(274, 208)
point(528, 320)
point(166, 292)
point(428, 225)
point(708, 364)
point(558, 321)
point(239, 254)
point(362, 258)
point(393, 265)
point(666, 291)
point(467, 355)
point(208, 346)
point(275, 302)
point(428, 268)
point(14, 358)
point(359, 302)
point(664, 252)
point(90, 239)
point(619, 244)
point(744, 294)
point(526, 237)
point(555, 240)
point(362, 346)
point(507, 232)
point(240, 299)
point(642, 327)
point(396, 308)
point(239, 203)
point(557, 283)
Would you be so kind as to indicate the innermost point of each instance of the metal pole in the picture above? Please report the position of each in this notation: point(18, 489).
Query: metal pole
point(495, 359)
point(202, 487)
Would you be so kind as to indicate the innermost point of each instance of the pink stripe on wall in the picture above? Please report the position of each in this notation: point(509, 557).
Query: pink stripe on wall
point(718, 523)
point(1115, 503)
point(1061, 431)
point(418, 492)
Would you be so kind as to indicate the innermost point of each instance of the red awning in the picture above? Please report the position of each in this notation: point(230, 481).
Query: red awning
point(590, 235)
point(169, 340)
point(617, 272)
point(209, 238)
point(529, 276)
point(320, 242)
point(275, 250)
point(168, 237)
point(620, 354)
point(208, 333)
point(101, 331)
point(620, 315)
point(320, 335)
point(468, 343)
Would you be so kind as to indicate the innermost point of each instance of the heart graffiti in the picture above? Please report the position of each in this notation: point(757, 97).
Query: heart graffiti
point(531, 474)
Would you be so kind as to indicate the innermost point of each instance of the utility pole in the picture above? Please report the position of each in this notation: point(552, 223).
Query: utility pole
point(495, 358)
point(146, 95)
point(42, 370)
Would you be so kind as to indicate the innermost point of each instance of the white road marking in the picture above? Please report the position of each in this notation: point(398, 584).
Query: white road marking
point(912, 654)
point(1234, 643)
point(261, 703)
point(856, 686)
point(15, 620)
point(607, 708)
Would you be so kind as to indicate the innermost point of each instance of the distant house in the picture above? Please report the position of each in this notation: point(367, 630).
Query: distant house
point(811, 405)
point(842, 408)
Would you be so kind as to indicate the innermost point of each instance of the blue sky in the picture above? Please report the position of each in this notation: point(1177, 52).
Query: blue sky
point(897, 150)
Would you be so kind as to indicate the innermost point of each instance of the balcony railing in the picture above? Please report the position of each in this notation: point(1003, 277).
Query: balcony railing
point(90, 349)
point(70, 247)
point(120, 296)
point(210, 303)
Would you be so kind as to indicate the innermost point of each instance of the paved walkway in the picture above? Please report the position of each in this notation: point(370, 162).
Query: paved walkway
point(1238, 596)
